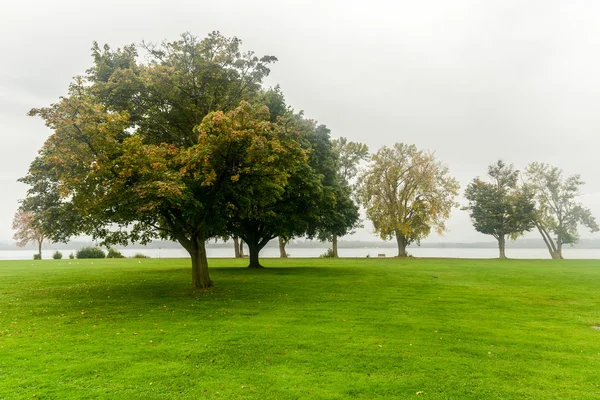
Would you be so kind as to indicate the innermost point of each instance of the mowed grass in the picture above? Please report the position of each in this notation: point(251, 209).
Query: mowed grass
point(301, 328)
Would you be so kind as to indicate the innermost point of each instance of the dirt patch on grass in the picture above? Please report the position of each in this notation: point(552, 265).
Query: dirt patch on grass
point(596, 327)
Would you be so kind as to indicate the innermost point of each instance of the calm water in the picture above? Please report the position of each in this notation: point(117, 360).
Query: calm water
point(315, 252)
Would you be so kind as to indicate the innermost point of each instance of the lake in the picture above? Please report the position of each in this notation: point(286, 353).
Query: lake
point(343, 252)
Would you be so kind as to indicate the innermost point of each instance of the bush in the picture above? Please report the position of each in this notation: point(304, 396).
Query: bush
point(140, 255)
point(37, 256)
point(57, 255)
point(327, 254)
point(90, 252)
point(71, 256)
point(112, 253)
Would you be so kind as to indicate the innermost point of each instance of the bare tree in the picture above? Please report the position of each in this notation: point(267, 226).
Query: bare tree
point(26, 231)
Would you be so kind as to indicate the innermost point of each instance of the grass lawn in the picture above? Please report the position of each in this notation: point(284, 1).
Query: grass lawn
point(302, 328)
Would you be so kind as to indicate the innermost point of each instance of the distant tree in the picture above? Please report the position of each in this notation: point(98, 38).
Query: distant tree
point(54, 215)
point(350, 155)
point(242, 255)
point(346, 217)
point(236, 247)
point(558, 212)
point(501, 208)
point(343, 218)
point(406, 193)
point(26, 230)
point(282, 243)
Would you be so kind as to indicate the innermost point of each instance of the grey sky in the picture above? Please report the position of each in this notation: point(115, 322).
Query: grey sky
point(472, 80)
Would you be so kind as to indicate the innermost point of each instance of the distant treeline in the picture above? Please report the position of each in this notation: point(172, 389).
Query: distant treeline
point(354, 244)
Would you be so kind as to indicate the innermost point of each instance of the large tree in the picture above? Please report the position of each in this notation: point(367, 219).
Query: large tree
point(253, 207)
point(406, 193)
point(27, 231)
point(302, 208)
point(238, 247)
point(500, 208)
point(147, 149)
point(558, 212)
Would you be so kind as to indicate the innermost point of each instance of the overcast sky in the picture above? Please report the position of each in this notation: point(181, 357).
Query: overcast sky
point(472, 80)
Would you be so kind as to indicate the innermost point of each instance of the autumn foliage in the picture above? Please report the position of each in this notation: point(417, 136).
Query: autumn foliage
point(178, 146)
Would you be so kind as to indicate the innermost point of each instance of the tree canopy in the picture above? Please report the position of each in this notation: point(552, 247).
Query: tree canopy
point(406, 193)
point(558, 212)
point(350, 155)
point(157, 148)
point(312, 201)
point(500, 208)
point(186, 144)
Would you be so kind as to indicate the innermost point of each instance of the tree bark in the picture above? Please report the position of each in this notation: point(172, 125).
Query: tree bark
point(558, 253)
point(502, 246)
point(254, 249)
point(241, 248)
point(236, 247)
point(547, 241)
point(334, 246)
point(282, 252)
point(197, 250)
point(401, 240)
point(195, 244)
point(40, 249)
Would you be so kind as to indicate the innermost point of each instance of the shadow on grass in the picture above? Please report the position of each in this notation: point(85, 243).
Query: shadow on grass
point(146, 288)
point(287, 271)
point(267, 271)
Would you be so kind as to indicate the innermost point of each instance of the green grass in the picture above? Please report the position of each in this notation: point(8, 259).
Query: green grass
point(303, 328)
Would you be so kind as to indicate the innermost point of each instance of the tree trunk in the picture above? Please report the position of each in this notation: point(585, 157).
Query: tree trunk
point(236, 247)
point(401, 240)
point(200, 276)
point(554, 250)
point(558, 253)
point(502, 246)
point(282, 252)
point(241, 248)
point(40, 248)
point(254, 249)
point(334, 246)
